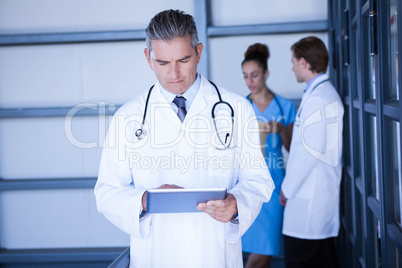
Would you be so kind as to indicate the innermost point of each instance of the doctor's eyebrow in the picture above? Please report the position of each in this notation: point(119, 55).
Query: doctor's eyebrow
point(184, 59)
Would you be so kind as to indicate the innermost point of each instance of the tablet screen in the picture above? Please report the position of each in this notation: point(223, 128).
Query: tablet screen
point(181, 200)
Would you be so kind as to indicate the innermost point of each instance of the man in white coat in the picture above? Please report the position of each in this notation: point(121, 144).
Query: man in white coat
point(166, 138)
point(310, 190)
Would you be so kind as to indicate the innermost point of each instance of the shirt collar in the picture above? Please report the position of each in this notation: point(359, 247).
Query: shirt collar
point(189, 94)
point(312, 81)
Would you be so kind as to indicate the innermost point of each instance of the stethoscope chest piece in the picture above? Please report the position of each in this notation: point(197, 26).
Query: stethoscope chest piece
point(140, 133)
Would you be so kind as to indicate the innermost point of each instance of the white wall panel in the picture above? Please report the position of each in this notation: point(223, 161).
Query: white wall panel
point(65, 75)
point(115, 74)
point(55, 219)
point(36, 75)
point(50, 16)
point(48, 148)
point(226, 55)
point(238, 12)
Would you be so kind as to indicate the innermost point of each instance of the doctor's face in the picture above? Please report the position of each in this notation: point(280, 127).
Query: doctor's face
point(174, 63)
point(298, 68)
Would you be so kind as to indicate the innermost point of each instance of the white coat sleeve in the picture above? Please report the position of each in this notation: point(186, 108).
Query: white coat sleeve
point(116, 195)
point(254, 183)
point(315, 144)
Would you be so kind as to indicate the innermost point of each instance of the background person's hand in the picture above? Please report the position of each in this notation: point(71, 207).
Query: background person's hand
point(220, 210)
point(274, 127)
point(282, 199)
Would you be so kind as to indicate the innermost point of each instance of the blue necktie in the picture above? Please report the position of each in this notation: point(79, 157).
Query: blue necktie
point(180, 103)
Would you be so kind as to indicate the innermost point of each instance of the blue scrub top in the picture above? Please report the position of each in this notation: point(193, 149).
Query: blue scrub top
point(281, 110)
point(265, 234)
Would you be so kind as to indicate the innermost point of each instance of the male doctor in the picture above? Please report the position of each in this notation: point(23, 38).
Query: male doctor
point(310, 189)
point(181, 148)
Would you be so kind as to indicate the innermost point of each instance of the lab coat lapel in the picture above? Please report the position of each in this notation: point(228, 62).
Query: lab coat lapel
point(170, 114)
point(315, 83)
point(202, 100)
point(164, 122)
point(307, 94)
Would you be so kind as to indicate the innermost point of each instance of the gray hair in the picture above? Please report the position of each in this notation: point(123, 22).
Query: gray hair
point(170, 24)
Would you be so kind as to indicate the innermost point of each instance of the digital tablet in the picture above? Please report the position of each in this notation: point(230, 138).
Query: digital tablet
point(181, 200)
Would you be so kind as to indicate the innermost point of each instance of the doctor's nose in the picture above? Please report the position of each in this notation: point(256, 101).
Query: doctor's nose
point(174, 71)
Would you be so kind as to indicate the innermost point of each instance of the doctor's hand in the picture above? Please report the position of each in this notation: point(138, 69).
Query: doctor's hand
point(220, 210)
point(163, 186)
point(282, 199)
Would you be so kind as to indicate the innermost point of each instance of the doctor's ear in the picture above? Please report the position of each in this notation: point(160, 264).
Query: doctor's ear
point(148, 56)
point(303, 62)
point(306, 65)
point(198, 50)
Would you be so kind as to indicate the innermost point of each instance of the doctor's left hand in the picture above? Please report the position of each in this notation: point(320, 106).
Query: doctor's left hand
point(220, 210)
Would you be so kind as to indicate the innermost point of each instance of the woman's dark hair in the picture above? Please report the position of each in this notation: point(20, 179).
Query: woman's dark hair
point(259, 53)
point(313, 50)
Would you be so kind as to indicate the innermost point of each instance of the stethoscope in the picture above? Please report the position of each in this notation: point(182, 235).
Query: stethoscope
point(297, 121)
point(141, 132)
point(279, 105)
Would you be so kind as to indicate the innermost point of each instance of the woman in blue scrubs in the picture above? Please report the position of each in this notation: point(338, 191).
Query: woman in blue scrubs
point(276, 116)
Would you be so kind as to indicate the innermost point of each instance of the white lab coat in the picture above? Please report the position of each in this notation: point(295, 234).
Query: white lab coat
point(181, 154)
point(313, 172)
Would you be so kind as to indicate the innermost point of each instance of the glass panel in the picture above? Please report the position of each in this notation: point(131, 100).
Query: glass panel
point(377, 245)
point(371, 76)
point(373, 156)
point(395, 151)
point(356, 141)
point(350, 206)
point(352, 8)
point(362, 227)
point(355, 63)
point(397, 257)
point(369, 66)
point(346, 133)
point(394, 94)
